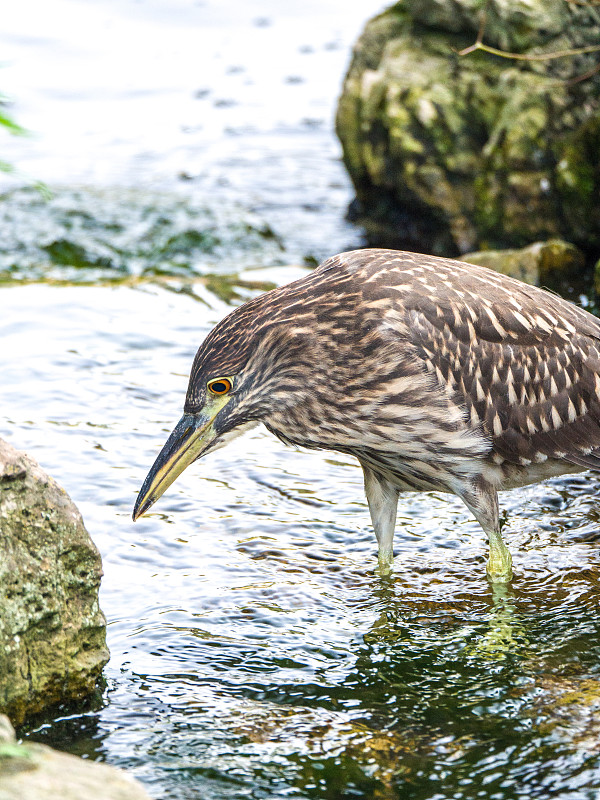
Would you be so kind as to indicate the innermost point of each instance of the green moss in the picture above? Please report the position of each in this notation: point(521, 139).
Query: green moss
point(578, 179)
point(66, 253)
point(515, 151)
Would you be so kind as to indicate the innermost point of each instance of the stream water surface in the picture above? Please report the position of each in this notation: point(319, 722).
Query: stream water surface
point(255, 651)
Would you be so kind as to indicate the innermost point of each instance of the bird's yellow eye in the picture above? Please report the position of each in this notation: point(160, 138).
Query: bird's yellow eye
point(219, 386)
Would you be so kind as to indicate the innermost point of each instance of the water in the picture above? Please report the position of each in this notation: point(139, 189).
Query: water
point(255, 652)
point(222, 99)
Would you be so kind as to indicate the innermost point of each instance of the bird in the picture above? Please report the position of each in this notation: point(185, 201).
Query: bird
point(435, 374)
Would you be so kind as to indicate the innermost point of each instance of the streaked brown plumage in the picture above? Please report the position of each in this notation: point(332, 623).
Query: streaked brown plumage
point(435, 374)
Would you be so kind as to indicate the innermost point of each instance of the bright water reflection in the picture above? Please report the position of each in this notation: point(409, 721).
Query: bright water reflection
point(255, 651)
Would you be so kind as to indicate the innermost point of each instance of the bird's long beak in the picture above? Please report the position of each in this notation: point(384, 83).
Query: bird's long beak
point(189, 439)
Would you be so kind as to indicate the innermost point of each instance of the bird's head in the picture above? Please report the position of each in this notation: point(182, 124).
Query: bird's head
point(248, 365)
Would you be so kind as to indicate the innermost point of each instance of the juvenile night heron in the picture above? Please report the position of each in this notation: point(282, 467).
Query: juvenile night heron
point(436, 374)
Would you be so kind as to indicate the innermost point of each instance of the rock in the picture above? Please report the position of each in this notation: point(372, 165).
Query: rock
point(597, 280)
point(551, 264)
point(35, 772)
point(453, 153)
point(52, 632)
point(569, 706)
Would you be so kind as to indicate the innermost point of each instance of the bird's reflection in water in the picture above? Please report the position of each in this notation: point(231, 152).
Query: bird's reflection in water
point(481, 618)
point(505, 632)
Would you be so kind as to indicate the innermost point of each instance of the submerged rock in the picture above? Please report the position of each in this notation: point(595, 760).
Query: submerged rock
point(86, 236)
point(52, 631)
point(550, 264)
point(452, 153)
point(568, 707)
point(35, 772)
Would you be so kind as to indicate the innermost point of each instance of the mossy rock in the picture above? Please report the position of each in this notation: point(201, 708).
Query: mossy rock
point(551, 264)
point(52, 631)
point(450, 154)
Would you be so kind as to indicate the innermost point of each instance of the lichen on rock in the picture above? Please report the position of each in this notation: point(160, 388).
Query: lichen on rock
point(450, 154)
point(52, 631)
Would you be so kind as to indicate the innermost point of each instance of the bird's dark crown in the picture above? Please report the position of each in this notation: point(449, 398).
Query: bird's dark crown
point(281, 324)
point(252, 348)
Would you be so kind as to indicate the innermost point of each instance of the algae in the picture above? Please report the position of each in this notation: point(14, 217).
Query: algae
point(89, 236)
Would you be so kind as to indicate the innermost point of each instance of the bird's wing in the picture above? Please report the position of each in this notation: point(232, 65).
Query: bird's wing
point(524, 364)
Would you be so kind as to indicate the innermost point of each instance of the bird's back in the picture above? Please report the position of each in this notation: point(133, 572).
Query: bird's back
point(523, 364)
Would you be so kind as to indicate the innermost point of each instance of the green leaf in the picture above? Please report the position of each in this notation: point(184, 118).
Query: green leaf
point(12, 126)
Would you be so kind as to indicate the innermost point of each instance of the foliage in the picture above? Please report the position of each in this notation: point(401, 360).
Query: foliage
point(8, 123)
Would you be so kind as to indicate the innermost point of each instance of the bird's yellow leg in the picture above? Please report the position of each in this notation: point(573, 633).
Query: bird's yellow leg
point(482, 501)
point(499, 565)
point(382, 497)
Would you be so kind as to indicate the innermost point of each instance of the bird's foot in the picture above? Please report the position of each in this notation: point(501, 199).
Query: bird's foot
point(499, 565)
point(385, 563)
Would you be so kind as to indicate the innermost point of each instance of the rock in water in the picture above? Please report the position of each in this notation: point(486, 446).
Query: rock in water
point(449, 154)
point(553, 264)
point(52, 631)
point(34, 772)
